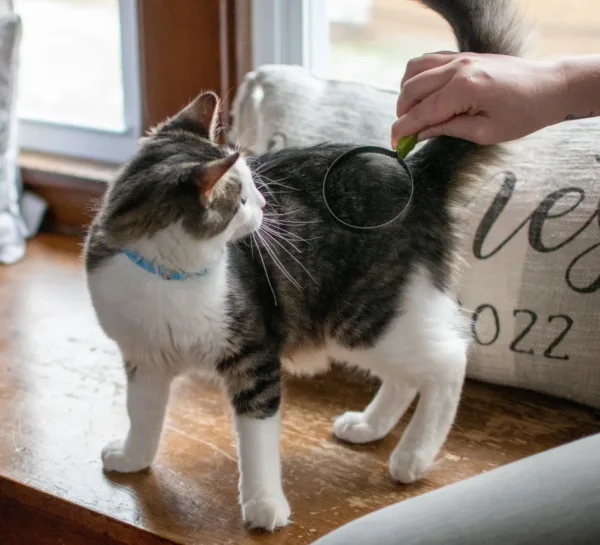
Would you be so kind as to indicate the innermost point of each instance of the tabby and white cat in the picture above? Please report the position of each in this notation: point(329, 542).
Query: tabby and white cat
point(190, 267)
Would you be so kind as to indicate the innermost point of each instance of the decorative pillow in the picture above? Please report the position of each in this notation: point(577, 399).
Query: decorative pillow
point(531, 230)
point(283, 106)
point(533, 283)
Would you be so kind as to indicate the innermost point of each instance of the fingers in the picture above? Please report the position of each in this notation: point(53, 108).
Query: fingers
point(475, 128)
point(435, 109)
point(419, 87)
point(426, 62)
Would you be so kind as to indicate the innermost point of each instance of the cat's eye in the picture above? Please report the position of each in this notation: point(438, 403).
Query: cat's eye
point(244, 200)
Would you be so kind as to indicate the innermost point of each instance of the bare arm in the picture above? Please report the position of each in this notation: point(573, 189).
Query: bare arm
point(493, 98)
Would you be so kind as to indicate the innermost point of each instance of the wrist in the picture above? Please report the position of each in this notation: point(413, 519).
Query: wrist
point(552, 92)
point(581, 87)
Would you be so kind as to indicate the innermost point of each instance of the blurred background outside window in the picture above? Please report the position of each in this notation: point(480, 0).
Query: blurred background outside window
point(371, 40)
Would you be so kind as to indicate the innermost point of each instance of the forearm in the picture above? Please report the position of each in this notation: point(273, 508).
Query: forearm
point(582, 76)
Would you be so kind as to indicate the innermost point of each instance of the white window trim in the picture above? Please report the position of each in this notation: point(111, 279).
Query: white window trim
point(291, 32)
point(96, 144)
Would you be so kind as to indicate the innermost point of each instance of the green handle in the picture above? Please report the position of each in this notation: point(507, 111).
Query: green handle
point(406, 145)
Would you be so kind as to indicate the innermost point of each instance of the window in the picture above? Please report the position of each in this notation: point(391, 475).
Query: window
point(371, 40)
point(78, 91)
point(96, 74)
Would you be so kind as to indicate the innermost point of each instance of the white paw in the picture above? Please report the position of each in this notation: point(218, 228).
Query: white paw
point(353, 428)
point(407, 466)
point(115, 459)
point(268, 512)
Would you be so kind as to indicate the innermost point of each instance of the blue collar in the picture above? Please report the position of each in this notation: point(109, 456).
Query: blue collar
point(159, 270)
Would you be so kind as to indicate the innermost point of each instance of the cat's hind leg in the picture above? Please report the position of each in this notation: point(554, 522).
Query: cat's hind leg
point(429, 343)
point(423, 350)
point(433, 418)
point(379, 417)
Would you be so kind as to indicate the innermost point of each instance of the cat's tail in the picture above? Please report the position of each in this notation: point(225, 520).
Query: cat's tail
point(449, 165)
point(485, 26)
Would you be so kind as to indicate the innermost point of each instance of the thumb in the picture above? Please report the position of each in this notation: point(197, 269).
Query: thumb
point(475, 128)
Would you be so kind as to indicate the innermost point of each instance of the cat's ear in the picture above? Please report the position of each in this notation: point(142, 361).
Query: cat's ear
point(203, 110)
point(207, 176)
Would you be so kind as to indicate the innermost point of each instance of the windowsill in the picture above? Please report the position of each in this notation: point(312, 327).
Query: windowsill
point(71, 187)
point(67, 167)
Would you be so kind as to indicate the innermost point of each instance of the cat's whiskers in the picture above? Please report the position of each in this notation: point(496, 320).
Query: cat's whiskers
point(262, 181)
point(263, 166)
point(277, 261)
point(278, 184)
point(287, 235)
point(249, 242)
point(273, 233)
point(273, 239)
point(291, 222)
point(264, 268)
point(271, 182)
point(283, 226)
point(291, 239)
point(295, 211)
point(260, 184)
point(274, 225)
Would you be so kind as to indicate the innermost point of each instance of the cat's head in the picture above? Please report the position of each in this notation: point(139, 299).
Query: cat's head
point(181, 177)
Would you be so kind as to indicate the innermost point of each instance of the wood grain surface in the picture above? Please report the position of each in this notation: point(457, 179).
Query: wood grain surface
point(62, 398)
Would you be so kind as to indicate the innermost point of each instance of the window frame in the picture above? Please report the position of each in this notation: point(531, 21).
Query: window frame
point(91, 143)
point(291, 32)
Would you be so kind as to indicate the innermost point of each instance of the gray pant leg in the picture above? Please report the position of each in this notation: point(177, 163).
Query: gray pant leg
point(552, 498)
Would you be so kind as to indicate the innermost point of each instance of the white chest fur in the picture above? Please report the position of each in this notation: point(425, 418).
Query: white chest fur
point(174, 323)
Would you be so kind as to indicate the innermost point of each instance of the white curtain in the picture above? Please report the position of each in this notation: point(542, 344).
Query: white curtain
point(12, 227)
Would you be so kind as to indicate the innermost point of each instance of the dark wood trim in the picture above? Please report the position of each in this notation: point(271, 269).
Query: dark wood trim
point(189, 47)
point(242, 37)
point(179, 44)
point(34, 516)
point(236, 49)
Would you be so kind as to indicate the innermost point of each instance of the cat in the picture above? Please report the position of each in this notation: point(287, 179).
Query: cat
point(200, 259)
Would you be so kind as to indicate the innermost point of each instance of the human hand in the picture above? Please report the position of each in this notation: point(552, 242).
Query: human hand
point(484, 98)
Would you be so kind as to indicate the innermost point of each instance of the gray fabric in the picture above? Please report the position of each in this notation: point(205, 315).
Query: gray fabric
point(531, 283)
point(552, 498)
point(285, 106)
point(12, 227)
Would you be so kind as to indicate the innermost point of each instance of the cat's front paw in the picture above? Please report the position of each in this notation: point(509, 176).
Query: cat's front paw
point(409, 466)
point(266, 512)
point(115, 459)
point(354, 428)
